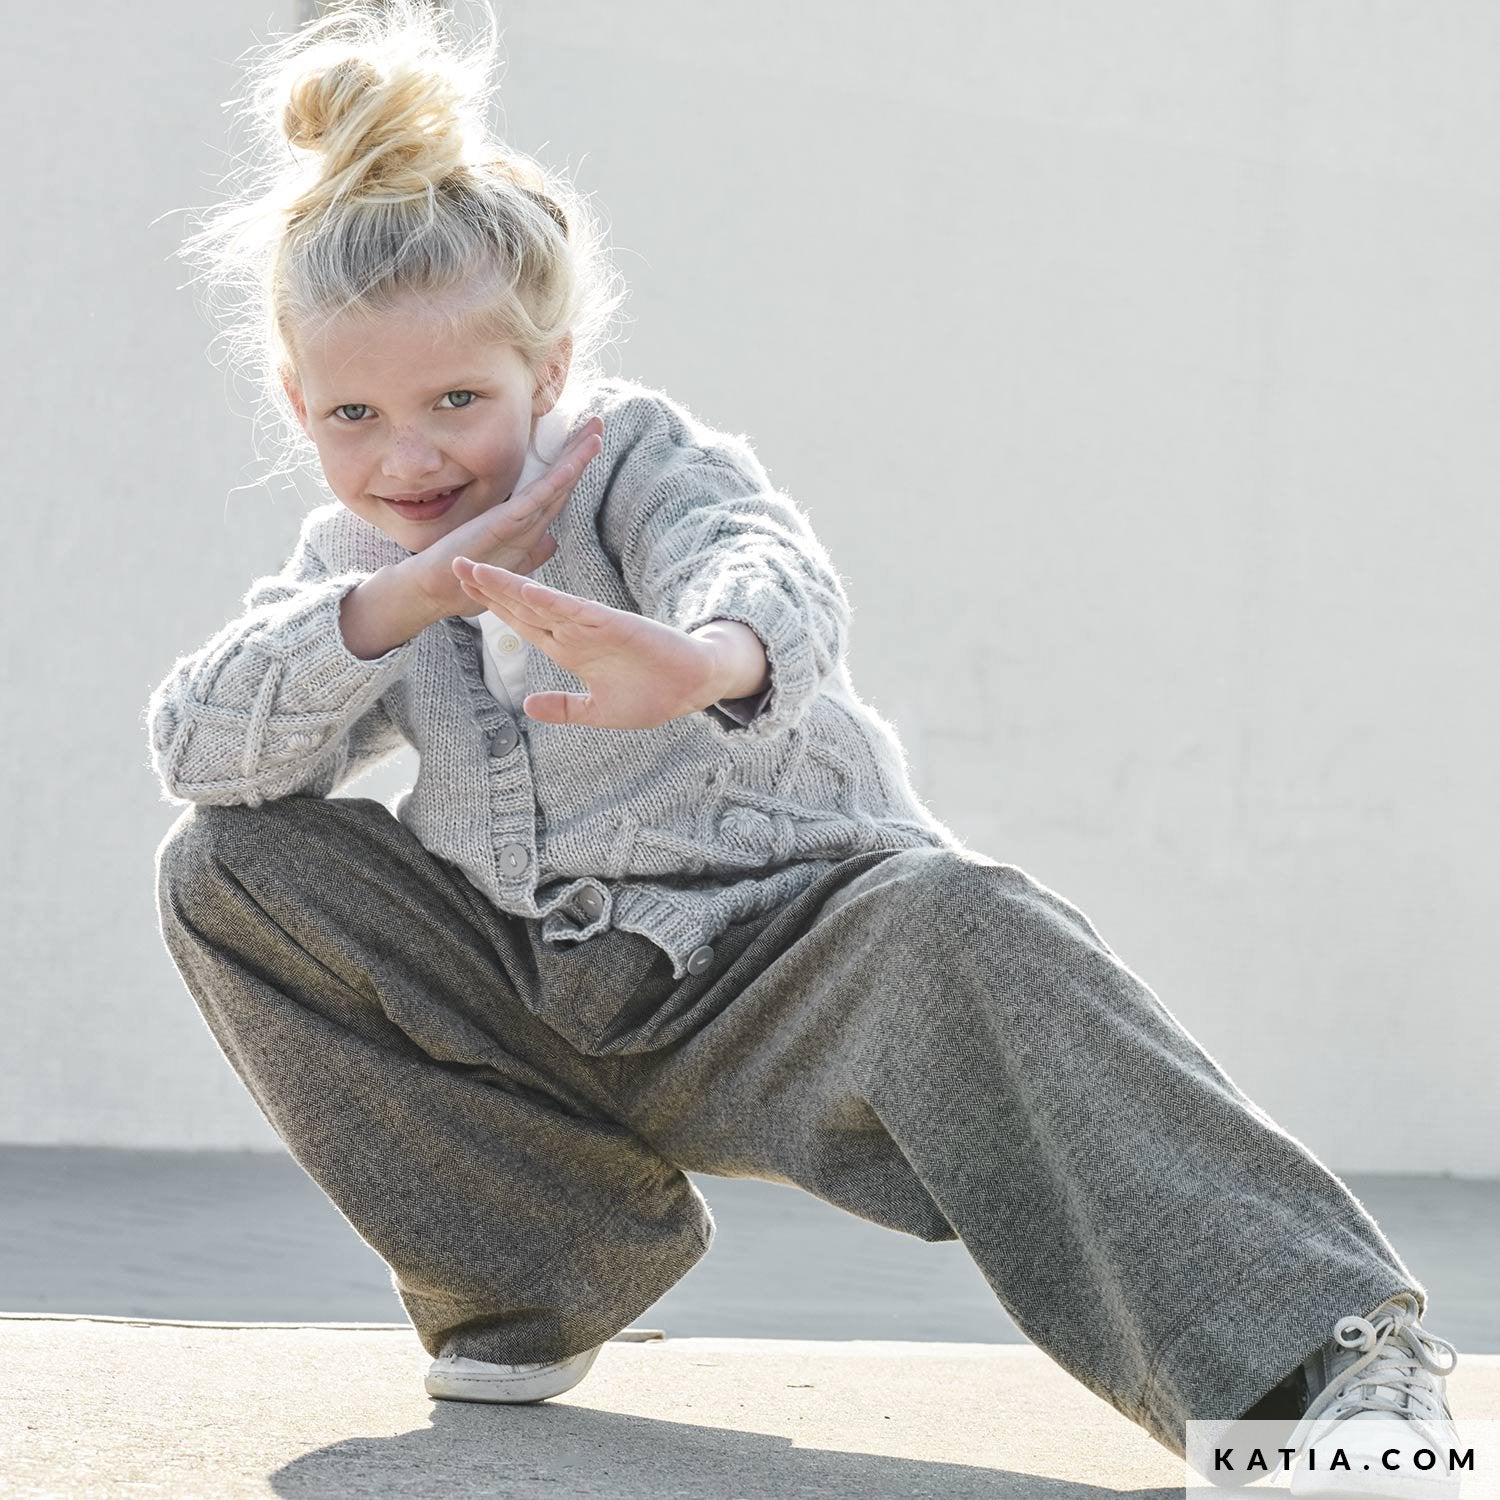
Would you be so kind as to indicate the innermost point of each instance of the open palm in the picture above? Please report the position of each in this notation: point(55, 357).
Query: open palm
point(639, 673)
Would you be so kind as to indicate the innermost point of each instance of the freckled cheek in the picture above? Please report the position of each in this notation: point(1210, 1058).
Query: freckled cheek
point(496, 475)
point(346, 473)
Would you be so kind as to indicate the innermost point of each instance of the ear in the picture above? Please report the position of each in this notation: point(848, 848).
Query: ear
point(294, 395)
point(552, 377)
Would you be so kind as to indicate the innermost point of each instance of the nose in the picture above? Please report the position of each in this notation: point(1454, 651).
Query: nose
point(411, 457)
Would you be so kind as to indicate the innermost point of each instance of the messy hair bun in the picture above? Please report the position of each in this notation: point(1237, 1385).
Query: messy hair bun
point(378, 114)
point(322, 97)
point(377, 177)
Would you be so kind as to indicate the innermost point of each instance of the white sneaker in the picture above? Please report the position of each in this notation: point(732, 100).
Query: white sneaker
point(1378, 1396)
point(451, 1377)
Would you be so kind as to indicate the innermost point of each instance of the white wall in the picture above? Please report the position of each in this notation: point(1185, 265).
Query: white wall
point(1137, 364)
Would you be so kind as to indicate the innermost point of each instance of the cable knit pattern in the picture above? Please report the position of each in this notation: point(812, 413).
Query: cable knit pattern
point(751, 556)
point(672, 832)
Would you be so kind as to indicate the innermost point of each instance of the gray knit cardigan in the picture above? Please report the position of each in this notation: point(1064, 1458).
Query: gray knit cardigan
point(672, 832)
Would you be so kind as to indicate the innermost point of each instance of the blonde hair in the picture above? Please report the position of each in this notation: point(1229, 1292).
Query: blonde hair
point(377, 179)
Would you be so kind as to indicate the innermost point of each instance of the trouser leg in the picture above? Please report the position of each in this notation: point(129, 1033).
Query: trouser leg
point(369, 999)
point(947, 1041)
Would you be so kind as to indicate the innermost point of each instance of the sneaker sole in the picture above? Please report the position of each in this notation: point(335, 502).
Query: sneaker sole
point(1372, 1484)
point(509, 1385)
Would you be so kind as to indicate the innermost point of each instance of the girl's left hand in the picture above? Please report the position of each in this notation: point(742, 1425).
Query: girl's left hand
point(639, 672)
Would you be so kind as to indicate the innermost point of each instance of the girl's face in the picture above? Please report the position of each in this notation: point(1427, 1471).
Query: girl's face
point(399, 407)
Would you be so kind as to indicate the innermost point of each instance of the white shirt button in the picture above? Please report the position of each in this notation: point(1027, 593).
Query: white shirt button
point(510, 643)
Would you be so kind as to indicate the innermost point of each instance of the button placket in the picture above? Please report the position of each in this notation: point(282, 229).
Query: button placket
point(512, 860)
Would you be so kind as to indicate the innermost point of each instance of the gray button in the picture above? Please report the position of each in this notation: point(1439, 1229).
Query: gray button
point(514, 858)
point(589, 903)
point(505, 738)
point(699, 959)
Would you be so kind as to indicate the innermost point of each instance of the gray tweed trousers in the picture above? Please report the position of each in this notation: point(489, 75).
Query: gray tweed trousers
point(929, 1039)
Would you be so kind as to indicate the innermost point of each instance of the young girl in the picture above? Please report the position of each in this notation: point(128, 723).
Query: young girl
point(662, 898)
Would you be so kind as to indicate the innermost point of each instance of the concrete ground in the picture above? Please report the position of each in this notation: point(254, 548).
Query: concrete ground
point(166, 1410)
point(809, 1354)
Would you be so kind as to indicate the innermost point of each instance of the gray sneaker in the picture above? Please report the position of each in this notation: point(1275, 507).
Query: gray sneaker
point(454, 1378)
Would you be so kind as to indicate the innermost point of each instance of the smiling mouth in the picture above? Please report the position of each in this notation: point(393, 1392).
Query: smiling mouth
point(417, 509)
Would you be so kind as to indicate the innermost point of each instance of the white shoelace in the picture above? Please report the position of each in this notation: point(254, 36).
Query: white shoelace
point(1390, 1380)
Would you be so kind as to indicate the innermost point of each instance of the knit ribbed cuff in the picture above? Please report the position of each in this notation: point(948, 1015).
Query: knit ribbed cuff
point(244, 720)
point(784, 633)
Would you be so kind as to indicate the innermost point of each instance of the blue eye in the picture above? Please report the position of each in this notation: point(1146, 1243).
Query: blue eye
point(360, 406)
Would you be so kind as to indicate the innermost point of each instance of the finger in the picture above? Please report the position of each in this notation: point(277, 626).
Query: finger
point(594, 427)
point(463, 570)
point(486, 598)
point(557, 708)
point(490, 580)
point(584, 452)
point(487, 579)
point(582, 449)
point(529, 509)
point(534, 620)
point(526, 623)
point(559, 481)
point(526, 597)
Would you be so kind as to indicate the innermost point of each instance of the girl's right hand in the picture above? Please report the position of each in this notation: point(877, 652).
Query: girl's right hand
point(512, 535)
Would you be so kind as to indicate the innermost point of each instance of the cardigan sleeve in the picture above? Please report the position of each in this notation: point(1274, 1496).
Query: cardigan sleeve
point(700, 533)
point(275, 703)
